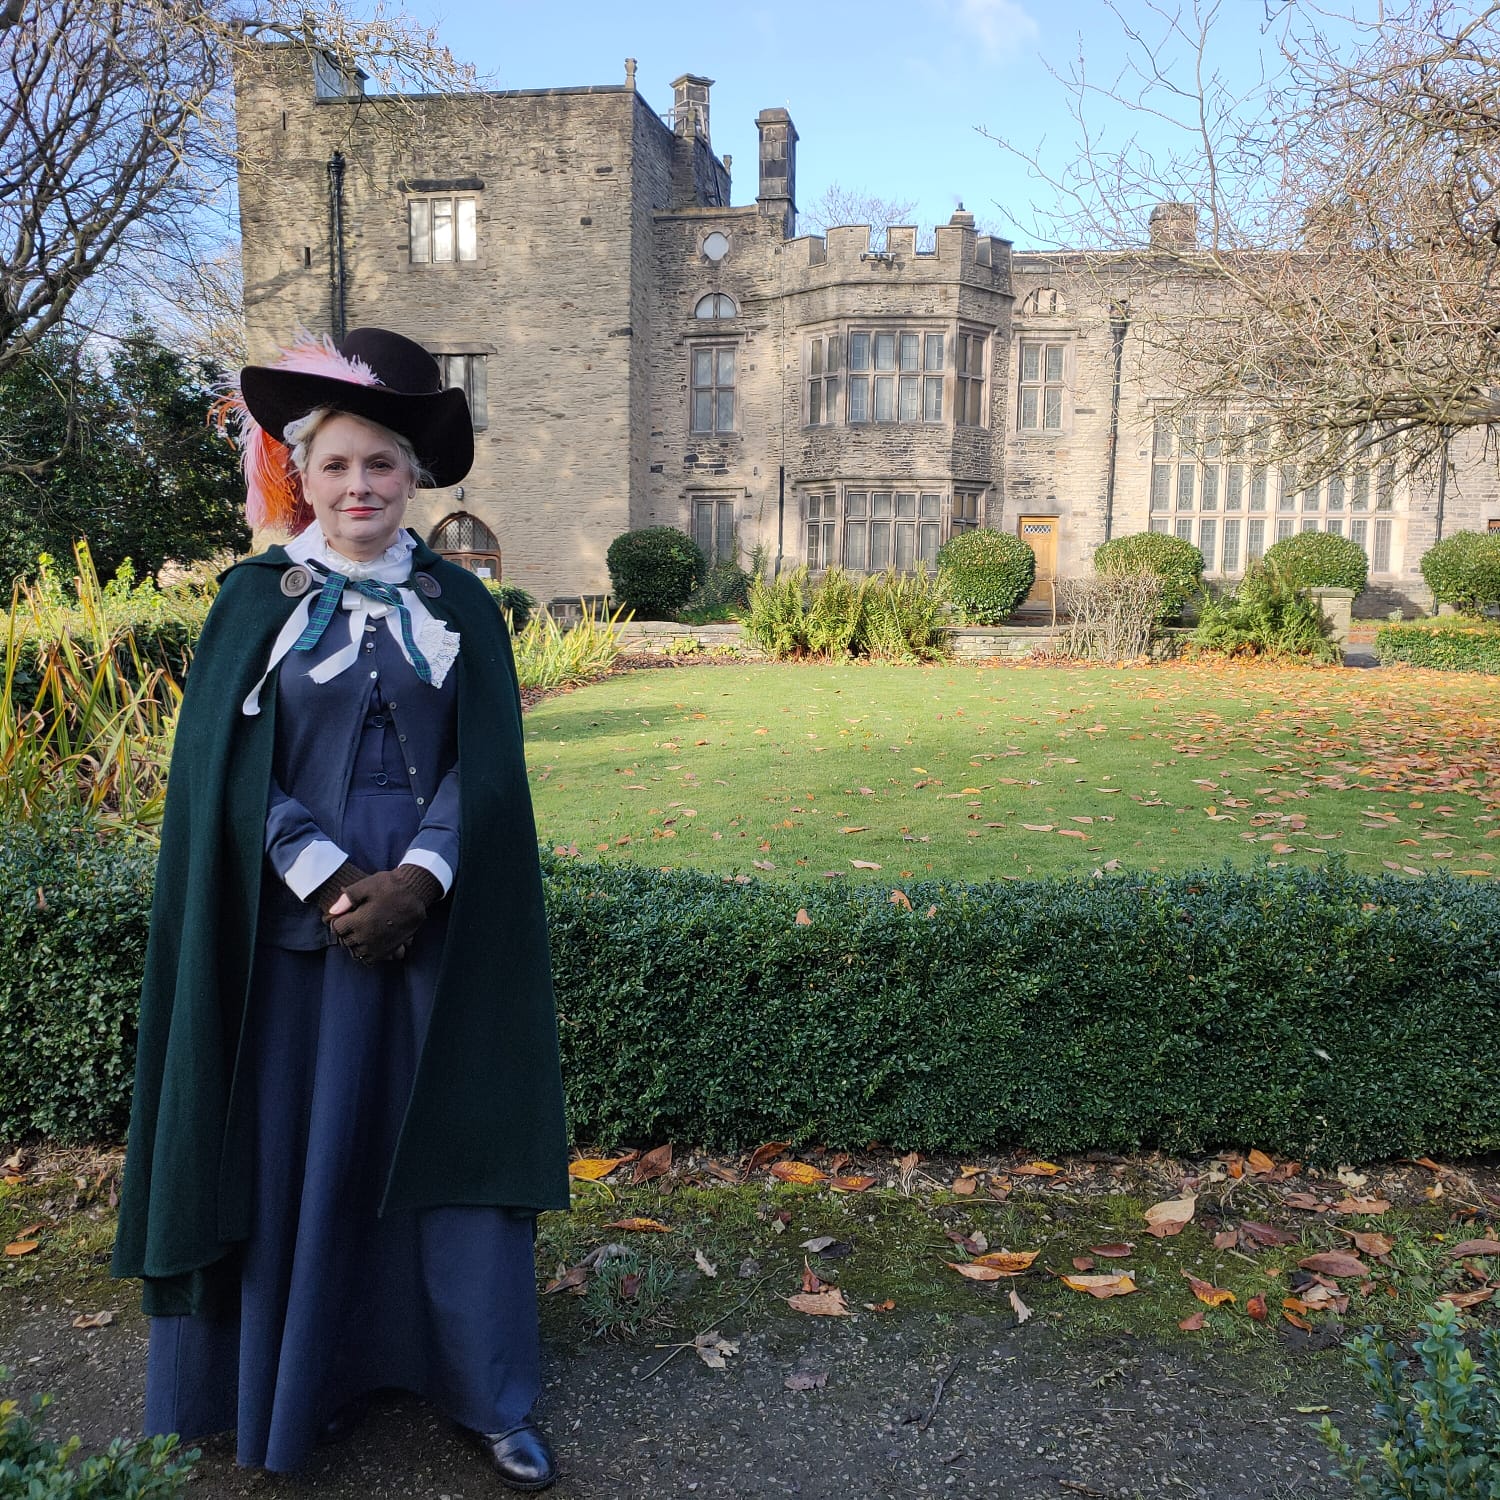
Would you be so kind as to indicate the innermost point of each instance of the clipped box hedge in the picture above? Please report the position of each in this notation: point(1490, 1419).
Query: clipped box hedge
point(1450, 643)
point(1326, 1015)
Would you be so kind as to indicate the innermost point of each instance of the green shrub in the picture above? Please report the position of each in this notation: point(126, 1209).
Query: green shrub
point(1265, 616)
point(1451, 643)
point(1311, 1012)
point(1320, 560)
point(1437, 1417)
point(1464, 569)
point(72, 944)
point(1179, 565)
point(777, 621)
point(652, 572)
point(513, 601)
point(901, 618)
point(986, 574)
point(33, 1468)
point(724, 590)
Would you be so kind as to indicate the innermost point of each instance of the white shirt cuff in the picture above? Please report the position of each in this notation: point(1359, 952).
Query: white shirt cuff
point(313, 866)
point(435, 864)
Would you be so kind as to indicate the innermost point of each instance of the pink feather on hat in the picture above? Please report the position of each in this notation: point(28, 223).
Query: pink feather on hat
point(273, 487)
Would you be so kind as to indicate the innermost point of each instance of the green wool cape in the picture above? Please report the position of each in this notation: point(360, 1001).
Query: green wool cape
point(485, 1121)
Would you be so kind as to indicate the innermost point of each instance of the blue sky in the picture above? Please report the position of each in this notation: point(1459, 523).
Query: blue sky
point(887, 96)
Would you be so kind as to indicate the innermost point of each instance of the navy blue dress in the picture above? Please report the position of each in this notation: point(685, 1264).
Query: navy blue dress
point(335, 1300)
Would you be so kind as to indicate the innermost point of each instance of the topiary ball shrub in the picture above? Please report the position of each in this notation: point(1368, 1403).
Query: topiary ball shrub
point(1464, 569)
point(1177, 563)
point(986, 574)
point(652, 572)
point(1320, 560)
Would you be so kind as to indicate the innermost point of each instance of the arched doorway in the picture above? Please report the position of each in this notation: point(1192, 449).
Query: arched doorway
point(466, 540)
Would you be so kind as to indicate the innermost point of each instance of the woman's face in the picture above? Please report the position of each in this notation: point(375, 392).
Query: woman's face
point(357, 482)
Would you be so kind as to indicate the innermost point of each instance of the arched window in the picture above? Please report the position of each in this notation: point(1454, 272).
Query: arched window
point(466, 540)
point(715, 305)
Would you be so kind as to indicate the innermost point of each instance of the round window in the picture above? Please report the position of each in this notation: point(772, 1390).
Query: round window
point(716, 246)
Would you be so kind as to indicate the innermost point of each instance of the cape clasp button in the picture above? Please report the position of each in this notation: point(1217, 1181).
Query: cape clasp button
point(427, 584)
point(295, 582)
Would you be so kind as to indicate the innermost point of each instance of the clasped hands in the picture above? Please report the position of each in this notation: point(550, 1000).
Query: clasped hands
point(375, 917)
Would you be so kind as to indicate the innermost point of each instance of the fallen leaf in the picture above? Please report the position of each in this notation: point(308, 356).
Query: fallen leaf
point(1297, 1321)
point(822, 1242)
point(1167, 1218)
point(1305, 1201)
point(94, 1320)
point(1113, 1252)
point(802, 919)
point(592, 1168)
point(1101, 1285)
point(901, 899)
point(806, 1380)
point(1475, 1247)
point(1193, 1322)
point(1264, 1235)
point(1256, 1307)
point(768, 1152)
point(1372, 1243)
point(964, 1186)
point(21, 1247)
point(828, 1304)
point(763, 864)
point(1083, 1262)
point(713, 1348)
point(889, 1305)
point(842, 1184)
point(1361, 1206)
point(811, 1281)
point(1007, 1262)
point(856, 828)
point(972, 1271)
point(797, 1171)
point(1468, 1299)
point(1335, 1263)
point(568, 1279)
point(1226, 1239)
point(1258, 1161)
point(1021, 1310)
point(1207, 1292)
point(1039, 827)
point(1036, 1169)
point(704, 1264)
point(641, 1226)
point(654, 1164)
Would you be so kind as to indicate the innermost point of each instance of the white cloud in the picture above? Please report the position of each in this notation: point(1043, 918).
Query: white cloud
point(1001, 27)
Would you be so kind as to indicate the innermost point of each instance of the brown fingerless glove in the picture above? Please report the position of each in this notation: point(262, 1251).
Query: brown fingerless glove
point(342, 878)
point(388, 909)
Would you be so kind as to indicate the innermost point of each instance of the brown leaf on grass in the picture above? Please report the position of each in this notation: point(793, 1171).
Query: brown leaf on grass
point(593, 1168)
point(1370, 1243)
point(827, 1304)
point(1083, 1262)
point(851, 1184)
point(1008, 1262)
point(1039, 827)
point(18, 1248)
point(1297, 1321)
point(1264, 1235)
point(811, 1281)
point(1467, 1299)
point(641, 1226)
point(1036, 1169)
point(1335, 1263)
point(864, 864)
point(964, 1186)
point(1113, 1252)
point(973, 1271)
point(654, 1164)
point(802, 1172)
point(1256, 1307)
point(568, 1279)
point(94, 1320)
point(1475, 1247)
point(1305, 1201)
point(1021, 1310)
point(1167, 1218)
point(763, 864)
point(856, 828)
point(802, 919)
point(1348, 1205)
point(630, 1285)
point(1101, 1285)
point(1226, 1239)
point(1193, 1322)
point(762, 1154)
point(1432, 1166)
point(1207, 1292)
point(889, 1305)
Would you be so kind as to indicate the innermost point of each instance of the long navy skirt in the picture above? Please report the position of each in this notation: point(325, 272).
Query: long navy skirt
point(335, 1300)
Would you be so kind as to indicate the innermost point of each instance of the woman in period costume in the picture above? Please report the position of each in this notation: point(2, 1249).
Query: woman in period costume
point(347, 1111)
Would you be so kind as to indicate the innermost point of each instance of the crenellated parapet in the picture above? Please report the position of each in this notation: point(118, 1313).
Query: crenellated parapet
point(843, 254)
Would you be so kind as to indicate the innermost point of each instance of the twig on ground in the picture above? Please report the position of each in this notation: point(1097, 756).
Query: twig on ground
point(677, 1349)
point(937, 1396)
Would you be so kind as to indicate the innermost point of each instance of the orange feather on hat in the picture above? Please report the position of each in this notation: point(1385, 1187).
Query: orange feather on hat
point(273, 487)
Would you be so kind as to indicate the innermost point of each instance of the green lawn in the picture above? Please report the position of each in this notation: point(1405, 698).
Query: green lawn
point(974, 773)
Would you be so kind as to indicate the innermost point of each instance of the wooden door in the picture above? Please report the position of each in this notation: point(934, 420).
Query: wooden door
point(1040, 534)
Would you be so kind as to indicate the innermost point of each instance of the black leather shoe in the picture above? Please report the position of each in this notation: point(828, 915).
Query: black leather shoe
point(520, 1456)
point(343, 1422)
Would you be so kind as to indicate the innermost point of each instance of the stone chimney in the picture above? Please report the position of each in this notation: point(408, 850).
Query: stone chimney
point(777, 198)
point(690, 105)
point(1174, 226)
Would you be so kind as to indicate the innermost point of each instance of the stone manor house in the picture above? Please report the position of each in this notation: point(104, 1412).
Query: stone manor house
point(639, 350)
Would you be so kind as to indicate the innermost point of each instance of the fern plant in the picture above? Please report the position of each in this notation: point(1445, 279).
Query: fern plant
point(834, 611)
point(902, 618)
point(777, 622)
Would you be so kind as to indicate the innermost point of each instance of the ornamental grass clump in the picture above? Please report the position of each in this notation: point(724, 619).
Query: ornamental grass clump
point(1178, 563)
point(1436, 1418)
point(547, 655)
point(1320, 560)
point(985, 574)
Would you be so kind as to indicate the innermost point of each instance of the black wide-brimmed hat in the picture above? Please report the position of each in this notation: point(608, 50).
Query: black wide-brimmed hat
point(375, 374)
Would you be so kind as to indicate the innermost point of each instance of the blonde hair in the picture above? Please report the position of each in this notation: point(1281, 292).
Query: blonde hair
point(299, 434)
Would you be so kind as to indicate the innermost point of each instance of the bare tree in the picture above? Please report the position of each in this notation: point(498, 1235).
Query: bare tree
point(1342, 274)
point(117, 143)
point(840, 205)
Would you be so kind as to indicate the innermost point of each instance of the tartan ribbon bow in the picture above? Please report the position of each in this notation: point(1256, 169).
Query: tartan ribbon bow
point(326, 605)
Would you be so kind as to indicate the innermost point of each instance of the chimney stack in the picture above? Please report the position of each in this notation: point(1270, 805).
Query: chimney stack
point(1174, 226)
point(777, 198)
point(690, 105)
